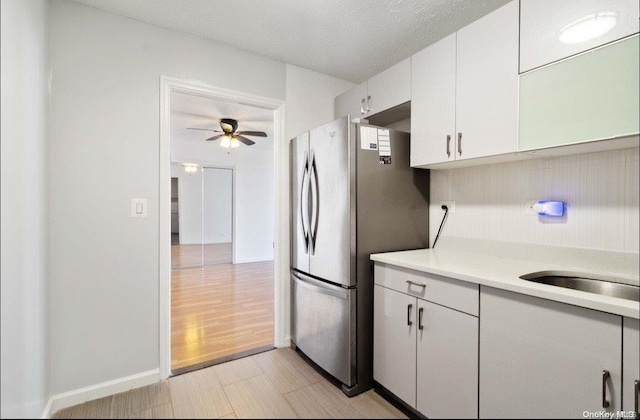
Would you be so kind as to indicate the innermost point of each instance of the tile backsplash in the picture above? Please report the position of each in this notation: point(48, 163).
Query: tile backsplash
point(600, 191)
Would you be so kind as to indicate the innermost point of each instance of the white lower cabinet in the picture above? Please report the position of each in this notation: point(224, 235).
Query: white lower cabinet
point(544, 359)
point(447, 363)
point(631, 364)
point(394, 345)
point(424, 353)
point(498, 354)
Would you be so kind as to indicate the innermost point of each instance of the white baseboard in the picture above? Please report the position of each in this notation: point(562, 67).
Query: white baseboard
point(251, 260)
point(286, 342)
point(104, 389)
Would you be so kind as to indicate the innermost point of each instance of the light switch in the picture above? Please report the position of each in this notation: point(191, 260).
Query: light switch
point(139, 207)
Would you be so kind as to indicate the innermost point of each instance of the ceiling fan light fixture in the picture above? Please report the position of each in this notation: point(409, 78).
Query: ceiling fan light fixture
point(190, 169)
point(230, 136)
point(225, 141)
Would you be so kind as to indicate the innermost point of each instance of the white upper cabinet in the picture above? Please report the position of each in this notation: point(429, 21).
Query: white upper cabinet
point(464, 99)
point(352, 102)
point(551, 30)
point(433, 103)
point(389, 88)
point(383, 91)
point(592, 96)
point(487, 85)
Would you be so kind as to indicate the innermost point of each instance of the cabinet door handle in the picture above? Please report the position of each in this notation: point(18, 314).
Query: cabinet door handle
point(362, 111)
point(459, 144)
point(369, 103)
point(605, 376)
point(448, 145)
point(420, 312)
point(409, 323)
point(636, 388)
point(416, 284)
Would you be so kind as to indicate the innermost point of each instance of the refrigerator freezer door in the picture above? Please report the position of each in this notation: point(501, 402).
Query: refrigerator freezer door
point(333, 203)
point(324, 325)
point(300, 172)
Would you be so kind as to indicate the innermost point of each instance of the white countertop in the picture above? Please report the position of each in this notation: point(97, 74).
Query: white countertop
point(503, 273)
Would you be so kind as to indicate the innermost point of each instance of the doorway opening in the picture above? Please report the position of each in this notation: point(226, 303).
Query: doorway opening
point(222, 253)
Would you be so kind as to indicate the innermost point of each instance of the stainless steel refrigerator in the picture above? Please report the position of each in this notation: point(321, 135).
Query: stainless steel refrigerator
point(353, 193)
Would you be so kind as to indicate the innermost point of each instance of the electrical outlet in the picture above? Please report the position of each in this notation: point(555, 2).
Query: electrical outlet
point(528, 207)
point(451, 205)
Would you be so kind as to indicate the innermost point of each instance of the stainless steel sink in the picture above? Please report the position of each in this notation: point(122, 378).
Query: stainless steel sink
point(586, 283)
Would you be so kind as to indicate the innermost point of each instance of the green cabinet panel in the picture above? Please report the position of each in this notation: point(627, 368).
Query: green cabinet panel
point(592, 96)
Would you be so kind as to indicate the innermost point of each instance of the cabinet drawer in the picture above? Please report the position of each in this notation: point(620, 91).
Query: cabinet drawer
point(445, 291)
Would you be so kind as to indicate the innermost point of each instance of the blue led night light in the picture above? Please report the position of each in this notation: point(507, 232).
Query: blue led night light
point(549, 208)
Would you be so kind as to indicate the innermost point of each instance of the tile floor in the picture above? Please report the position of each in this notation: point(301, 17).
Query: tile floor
point(273, 384)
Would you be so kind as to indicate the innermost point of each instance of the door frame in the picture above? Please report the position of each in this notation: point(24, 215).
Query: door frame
point(281, 223)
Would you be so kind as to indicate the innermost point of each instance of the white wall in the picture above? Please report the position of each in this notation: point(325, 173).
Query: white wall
point(104, 152)
point(255, 192)
point(217, 206)
point(310, 99)
point(25, 197)
point(600, 190)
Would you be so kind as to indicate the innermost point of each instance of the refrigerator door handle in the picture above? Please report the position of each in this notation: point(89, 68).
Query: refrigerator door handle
point(321, 287)
point(315, 208)
point(304, 204)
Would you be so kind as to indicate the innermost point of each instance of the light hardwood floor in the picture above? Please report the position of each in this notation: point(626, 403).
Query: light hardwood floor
point(220, 310)
point(198, 255)
point(273, 384)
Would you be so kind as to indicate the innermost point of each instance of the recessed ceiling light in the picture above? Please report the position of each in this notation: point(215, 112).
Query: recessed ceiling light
point(588, 27)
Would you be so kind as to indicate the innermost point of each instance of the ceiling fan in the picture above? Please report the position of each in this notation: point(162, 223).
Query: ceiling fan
point(230, 137)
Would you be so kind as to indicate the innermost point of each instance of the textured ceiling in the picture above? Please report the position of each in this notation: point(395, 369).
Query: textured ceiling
point(349, 39)
point(200, 112)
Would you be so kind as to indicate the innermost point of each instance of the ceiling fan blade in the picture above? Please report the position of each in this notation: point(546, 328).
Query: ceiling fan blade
point(216, 137)
point(253, 133)
point(204, 129)
point(245, 140)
